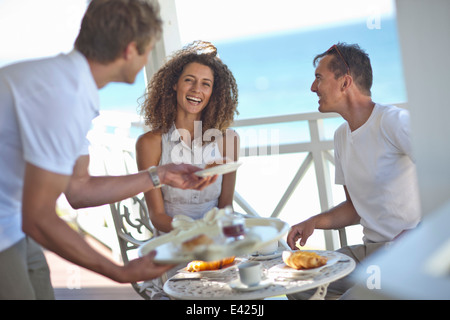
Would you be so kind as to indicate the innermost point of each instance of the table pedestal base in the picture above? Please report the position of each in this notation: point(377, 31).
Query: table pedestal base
point(320, 293)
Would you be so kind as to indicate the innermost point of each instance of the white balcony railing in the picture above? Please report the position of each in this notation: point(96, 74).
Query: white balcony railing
point(319, 153)
point(112, 152)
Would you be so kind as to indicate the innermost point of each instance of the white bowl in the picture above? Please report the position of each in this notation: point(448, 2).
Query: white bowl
point(270, 248)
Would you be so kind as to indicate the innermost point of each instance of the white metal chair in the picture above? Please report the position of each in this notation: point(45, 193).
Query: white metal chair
point(133, 228)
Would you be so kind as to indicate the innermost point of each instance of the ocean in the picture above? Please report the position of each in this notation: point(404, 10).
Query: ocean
point(274, 72)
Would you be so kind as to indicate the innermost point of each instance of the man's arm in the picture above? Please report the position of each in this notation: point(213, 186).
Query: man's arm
point(342, 215)
point(40, 221)
point(84, 190)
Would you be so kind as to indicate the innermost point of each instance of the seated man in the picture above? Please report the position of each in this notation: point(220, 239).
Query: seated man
point(373, 158)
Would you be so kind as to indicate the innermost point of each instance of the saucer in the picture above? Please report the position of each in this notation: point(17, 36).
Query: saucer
point(261, 257)
point(238, 285)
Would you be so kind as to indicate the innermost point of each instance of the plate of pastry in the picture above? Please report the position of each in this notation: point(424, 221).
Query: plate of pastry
point(303, 262)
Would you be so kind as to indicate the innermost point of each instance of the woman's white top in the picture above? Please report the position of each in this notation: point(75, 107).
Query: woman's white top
point(192, 203)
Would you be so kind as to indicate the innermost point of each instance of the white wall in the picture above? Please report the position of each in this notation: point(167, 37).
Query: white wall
point(170, 38)
point(424, 33)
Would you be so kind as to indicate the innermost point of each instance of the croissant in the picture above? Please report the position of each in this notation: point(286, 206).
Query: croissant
point(198, 265)
point(303, 260)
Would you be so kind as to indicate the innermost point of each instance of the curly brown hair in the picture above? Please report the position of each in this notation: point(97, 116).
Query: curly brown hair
point(159, 107)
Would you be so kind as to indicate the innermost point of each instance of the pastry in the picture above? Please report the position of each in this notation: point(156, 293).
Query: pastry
point(191, 244)
point(303, 259)
point(198, 265)
point(218, 162)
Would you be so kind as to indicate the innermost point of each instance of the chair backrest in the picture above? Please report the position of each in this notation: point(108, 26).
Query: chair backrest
point(133, 228)
point(133, 225)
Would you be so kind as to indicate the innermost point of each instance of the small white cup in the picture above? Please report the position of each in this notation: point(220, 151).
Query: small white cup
point(250, 273)
point(269, 248)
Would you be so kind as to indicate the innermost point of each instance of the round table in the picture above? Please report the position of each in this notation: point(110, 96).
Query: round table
point(216, 285)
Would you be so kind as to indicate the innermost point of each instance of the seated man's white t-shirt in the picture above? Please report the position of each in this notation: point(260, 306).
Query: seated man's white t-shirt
point(375, 163)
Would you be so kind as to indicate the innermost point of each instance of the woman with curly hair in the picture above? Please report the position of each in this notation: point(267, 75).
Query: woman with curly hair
point(190, 103)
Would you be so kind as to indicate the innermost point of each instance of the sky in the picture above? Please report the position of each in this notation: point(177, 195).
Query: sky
point(225, 19)
point(36, 28)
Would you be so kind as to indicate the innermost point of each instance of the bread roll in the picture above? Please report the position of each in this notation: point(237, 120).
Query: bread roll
point(303, 260)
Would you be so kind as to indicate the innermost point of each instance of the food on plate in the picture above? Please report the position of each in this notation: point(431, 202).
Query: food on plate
point(197, 265)
point(303, 259)
point(191, 244)
point(218, 162)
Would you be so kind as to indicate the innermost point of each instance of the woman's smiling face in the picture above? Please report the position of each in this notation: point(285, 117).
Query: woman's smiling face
point(194, 88)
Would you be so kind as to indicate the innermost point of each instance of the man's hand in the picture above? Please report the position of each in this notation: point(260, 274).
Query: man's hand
point(302, 231)
point(340, 216)
point(143, 269)
point(183, 176)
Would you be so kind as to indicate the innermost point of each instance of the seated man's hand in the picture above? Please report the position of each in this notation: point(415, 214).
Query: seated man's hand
point(301, 231)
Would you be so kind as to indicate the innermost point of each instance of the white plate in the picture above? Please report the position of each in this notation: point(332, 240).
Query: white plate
point(288, 271)
point(260, 232)
point(221, 169)
point(238, 285)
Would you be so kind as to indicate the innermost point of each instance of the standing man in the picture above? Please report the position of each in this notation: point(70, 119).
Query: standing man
point(45, 113)
point(373, 157)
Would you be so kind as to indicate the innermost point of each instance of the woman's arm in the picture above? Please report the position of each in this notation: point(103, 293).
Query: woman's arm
point(148, 153)
point(229, 148)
